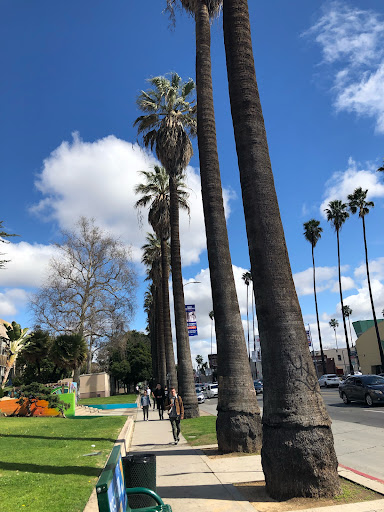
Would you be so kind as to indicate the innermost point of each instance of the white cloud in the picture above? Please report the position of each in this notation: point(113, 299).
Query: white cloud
point(347, 283)
point(352, 43)
point(97, 179)
point(325, 280)
point(342, 183)
point(11, 301)
point(28, 264)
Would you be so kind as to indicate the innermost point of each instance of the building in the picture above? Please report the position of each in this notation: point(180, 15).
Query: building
point(367, 346)
point(337, 360)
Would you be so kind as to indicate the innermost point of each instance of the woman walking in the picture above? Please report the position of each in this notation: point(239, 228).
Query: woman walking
point(145, 403)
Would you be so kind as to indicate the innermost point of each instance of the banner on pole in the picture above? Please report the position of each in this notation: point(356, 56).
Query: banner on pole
point(191, 319)
point(309, 337)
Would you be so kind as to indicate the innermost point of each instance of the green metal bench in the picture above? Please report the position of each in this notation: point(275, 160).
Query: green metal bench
point(112, 495)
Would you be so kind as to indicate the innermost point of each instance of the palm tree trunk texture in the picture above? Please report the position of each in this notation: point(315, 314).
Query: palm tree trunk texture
point(238, 423)
point(168, 343)
point(154, 352)
point(381, 352)
point(160, 337)
point(298, 455)
point(184, 359)
point(317, 313)
point(342, 305)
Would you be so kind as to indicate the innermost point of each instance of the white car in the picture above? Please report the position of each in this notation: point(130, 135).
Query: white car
point(329, 380)
point(200, 396)
point(212, 390)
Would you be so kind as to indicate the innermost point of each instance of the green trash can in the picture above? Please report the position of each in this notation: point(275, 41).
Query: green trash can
point(140, 471)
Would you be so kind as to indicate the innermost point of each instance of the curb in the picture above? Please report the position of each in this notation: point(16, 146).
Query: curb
point(124, 440)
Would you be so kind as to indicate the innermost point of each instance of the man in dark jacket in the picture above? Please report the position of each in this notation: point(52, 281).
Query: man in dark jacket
point(159, 396)
point(175, 410)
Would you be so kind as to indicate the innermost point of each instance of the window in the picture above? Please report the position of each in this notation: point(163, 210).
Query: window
point(338, 357)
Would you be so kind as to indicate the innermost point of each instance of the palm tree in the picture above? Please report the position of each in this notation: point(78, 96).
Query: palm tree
point(312, 233)
point(69, 351)
point(238, 424)
point(247, 278)
point(152, 259)
point(337, 214)
point(347, 313)
point(381, 169)
point(358, 203)
point(17, 339)
point(334, 324)
point(168, 121)
point(149, 308)
point(298, 454)
point(155, 193)
point(211, 316)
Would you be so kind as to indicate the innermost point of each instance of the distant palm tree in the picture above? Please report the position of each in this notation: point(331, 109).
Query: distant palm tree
point(154, 193)
point(312, 233)
point(294, 414)
point(358, 203)
point(334, 324)
point(247, 278)
point(152, 256)
point(337, 214)
point(211, 316)
point(381, 169)
point(168, 122)
point(347, 313)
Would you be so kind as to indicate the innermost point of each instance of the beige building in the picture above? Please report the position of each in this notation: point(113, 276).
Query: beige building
point(94, 384)
point(368, 349)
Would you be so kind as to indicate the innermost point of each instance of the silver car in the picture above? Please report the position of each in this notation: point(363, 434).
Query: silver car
point(329, 380)
point(200, 396)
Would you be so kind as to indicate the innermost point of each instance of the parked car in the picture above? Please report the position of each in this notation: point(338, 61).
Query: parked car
point(212, 390)
point(362, 388)
point(329, 380)
point(200, 395)
point(258, 384)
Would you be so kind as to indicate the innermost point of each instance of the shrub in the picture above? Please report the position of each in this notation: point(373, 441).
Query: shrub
point(34, 392)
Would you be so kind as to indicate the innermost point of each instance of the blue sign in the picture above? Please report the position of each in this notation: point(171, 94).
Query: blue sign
point(191, 319)
point(117, 496)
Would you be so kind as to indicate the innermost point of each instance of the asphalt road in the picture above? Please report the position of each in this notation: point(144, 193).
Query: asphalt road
point(353, 412)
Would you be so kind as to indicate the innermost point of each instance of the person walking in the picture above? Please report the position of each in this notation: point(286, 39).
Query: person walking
point(175, 410)
point(149, 395)
point(159, 396)
point(145, 403)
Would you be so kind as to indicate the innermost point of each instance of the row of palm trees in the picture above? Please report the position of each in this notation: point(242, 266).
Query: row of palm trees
point(298, 455)
point(337, 213)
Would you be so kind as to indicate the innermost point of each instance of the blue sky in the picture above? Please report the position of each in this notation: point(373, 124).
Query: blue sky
point(71, 73)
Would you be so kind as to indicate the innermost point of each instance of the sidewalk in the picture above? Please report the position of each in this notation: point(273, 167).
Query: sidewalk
point(190, 481)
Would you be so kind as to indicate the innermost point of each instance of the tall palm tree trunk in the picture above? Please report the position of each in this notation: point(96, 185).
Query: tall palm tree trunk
point(381, 352)
point(249, 347)
point(238, 420)
point(317, 313)
point(184, 359)
point(160, 336)
point(168, 343)
point(154, 348)
point(298, 454)
point(342, 305)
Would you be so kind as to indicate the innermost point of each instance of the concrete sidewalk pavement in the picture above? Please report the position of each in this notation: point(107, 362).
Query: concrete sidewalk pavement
point(190, 481)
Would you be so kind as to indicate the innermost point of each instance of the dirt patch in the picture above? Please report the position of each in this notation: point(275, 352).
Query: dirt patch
point(215, 453)
point(255, 493)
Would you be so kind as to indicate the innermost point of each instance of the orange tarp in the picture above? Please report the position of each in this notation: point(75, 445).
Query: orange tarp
point(40, 408)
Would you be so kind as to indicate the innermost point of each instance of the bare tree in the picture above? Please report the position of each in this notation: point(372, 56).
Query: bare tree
point(89, 289)
point(3, 235)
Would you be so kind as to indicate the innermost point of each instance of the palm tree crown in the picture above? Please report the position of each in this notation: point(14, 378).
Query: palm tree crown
point(312, 231)
point(169, 120)
point(337, 213)
point(358, 203)
point(213, 6)
point(155, 192)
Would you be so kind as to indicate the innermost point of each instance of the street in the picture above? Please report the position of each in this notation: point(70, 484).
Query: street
point(358, 432)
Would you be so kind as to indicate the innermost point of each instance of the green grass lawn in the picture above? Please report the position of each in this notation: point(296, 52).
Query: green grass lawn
point(199, 431)
point(116, 399)
point(42, 467)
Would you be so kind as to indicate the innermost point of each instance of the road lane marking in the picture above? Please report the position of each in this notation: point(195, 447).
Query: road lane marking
point(371, 410)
